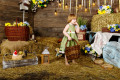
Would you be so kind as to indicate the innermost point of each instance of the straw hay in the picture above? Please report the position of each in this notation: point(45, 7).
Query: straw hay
point(31, 46)
point(99, 21)
point(9, 46)
point(56, 70)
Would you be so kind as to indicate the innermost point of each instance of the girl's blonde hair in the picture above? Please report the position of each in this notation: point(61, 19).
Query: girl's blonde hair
point(70, 17)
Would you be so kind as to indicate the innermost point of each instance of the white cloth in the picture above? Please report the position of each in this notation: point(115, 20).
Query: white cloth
point(100, 40)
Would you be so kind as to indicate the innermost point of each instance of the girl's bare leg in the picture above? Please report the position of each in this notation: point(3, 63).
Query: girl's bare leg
point(73, 61)
point(66, 61)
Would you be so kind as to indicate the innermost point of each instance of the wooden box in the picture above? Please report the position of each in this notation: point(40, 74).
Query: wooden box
point(82, 35)
point(9, 63)
point(105, 29)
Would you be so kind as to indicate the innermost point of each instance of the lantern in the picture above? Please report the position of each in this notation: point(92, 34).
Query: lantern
point(45, 57)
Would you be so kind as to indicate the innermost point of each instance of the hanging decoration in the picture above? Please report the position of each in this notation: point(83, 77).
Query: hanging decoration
point(98, 3)
point(86, 5)
point(63, 5)
point(111, 2)
point(82, 3)
point(93, 3)
point(89, 4)
point(119, 4)
point(70, 6)
point(39, 4)
point(104, 2)
point(66, 6)
point(76, 7)
point(60, 4)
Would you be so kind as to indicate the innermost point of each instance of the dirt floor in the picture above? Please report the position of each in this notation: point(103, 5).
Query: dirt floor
point(56, 70)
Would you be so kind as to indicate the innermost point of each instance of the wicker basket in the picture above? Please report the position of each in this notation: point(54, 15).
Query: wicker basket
point(17, 33)
point(72, 52)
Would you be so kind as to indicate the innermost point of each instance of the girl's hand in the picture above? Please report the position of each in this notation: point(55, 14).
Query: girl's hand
point(69, 38)
point(76, 23)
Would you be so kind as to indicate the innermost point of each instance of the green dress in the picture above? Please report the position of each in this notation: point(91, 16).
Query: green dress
point(72, 34)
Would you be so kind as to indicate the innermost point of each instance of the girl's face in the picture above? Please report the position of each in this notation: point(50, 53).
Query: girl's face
point(73, 21)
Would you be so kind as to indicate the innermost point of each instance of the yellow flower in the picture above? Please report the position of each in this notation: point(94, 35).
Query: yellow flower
point(7, 24)
point(103, 12)
point(45, 0)
point(45, 5)
point(18, 24)
point(39, 6)
point(116, 30)
point(40, 1)
point(34, 1)
point(14, 23)
point(108, 7)
point(85, 51)
point(99, 11)
point(88, 44)
point(83, 48)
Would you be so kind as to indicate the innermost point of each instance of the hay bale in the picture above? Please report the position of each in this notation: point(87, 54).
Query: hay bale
point(99, 21)
point(10, 46)
point(83, 43)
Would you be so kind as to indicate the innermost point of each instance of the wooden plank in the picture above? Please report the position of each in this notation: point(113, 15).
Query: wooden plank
point(9, 2)
point(2, 29)
point(50, 24)
point(2, 36)
point(9, 8)
point(19, 63)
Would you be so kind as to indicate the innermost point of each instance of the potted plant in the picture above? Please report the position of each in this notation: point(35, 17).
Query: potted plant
point(82, 23)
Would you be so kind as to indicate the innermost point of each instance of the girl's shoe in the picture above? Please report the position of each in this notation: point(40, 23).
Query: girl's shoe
point(59, 54)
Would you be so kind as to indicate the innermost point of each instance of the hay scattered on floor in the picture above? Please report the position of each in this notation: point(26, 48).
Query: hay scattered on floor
point(99, 21)
point(56, 70)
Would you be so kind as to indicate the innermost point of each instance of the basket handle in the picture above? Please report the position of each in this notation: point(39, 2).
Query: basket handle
point(17, 19)
point(72, 40)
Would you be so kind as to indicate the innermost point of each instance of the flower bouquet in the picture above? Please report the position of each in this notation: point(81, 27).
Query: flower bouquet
point(113, 27)
point(105, 9)
point(88, 50)
point(39, 3)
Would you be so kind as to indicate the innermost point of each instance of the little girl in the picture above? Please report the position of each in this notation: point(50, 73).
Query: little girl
point(69, 34)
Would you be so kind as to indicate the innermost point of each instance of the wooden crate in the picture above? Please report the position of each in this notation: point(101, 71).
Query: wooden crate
point(19, 63)
point(105, 29)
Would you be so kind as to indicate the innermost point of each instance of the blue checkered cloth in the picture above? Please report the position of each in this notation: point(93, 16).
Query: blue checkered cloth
point(111, 53)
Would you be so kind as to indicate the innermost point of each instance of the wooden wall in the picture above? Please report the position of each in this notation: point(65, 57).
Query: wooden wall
point(9, 11)
point(47, 24)
point(44, 21)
